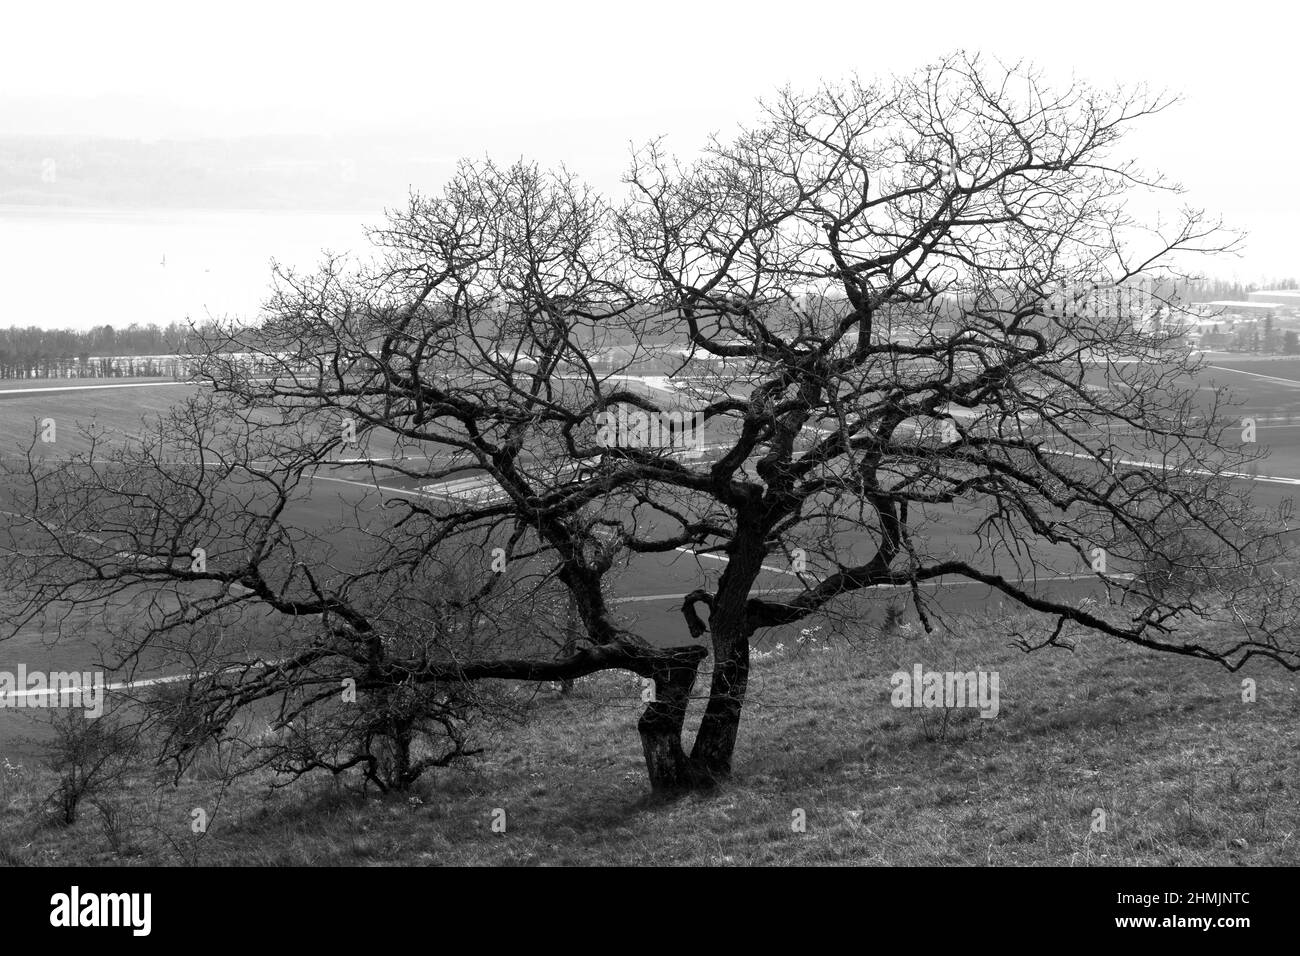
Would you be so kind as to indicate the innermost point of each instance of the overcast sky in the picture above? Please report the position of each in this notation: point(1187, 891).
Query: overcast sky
point(575, 82)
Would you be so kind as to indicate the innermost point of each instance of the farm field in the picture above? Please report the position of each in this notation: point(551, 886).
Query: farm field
point(649, 589)
point(116, 410)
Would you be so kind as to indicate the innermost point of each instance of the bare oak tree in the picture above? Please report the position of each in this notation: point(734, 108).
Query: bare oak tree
point(925, 323)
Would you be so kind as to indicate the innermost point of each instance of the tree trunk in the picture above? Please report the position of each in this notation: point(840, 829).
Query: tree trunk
point(729, 625)
point(716, 740)
point(660, 726)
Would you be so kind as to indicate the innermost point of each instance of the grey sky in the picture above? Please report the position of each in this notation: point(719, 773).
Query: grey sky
point(575, 82)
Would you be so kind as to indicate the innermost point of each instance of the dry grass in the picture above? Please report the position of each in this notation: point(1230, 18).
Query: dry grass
point(1186, 772)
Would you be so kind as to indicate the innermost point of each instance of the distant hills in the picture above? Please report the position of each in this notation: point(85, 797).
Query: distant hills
point(334, 173)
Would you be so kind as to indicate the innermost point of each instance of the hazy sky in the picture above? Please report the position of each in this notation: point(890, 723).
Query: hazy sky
point(575, 82)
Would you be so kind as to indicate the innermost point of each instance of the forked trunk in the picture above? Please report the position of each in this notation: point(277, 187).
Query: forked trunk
point(670, 769)
point(715, 742)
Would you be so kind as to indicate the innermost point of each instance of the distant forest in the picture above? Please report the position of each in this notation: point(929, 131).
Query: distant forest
point(1216, 290)
point(100, 352)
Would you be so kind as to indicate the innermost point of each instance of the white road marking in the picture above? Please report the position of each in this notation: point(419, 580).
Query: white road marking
point(129, 684)
point(1274, 479)
point(1268, 378)
point(85, 388)
point(718, 557)
point(217, 461)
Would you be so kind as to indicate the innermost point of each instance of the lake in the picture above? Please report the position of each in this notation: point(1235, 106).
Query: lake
point(75, 268)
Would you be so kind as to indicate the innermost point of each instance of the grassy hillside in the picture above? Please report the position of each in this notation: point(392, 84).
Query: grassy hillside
point(1186, 772)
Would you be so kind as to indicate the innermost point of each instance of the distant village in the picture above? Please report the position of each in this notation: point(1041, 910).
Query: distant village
point(1267, 321)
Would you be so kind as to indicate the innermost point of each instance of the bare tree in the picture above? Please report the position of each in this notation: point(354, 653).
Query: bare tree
point(89, 757)
point(927, 332)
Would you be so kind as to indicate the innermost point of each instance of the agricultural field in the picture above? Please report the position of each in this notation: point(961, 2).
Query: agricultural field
point(649, 590)
point(648, 595)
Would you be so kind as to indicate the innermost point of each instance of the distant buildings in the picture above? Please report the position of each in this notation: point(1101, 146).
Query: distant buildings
point(1284, 297)
point(1246, 309)
point(1260, 323)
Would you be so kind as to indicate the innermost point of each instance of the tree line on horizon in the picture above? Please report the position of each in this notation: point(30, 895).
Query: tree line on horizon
point(35, 352)
point(105, 351)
